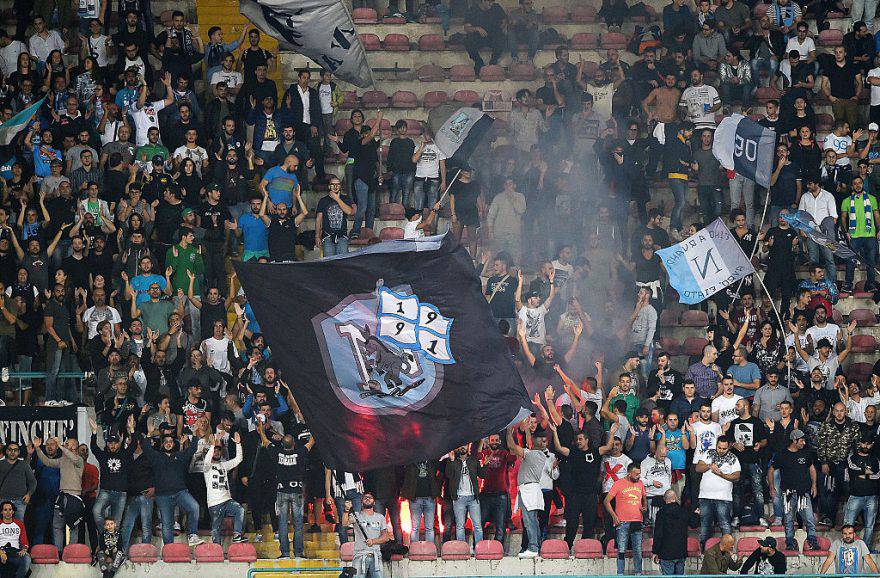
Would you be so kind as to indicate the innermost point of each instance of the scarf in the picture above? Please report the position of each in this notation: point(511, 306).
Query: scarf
point(869, 212)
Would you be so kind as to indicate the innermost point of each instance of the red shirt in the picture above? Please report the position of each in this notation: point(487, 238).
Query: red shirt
point(628, 499)
point(13, 534)
point(497, 464)
point(90, 481)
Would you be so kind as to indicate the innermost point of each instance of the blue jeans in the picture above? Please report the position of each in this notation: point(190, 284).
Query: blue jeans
point(289, 505)
point(824, 257)
point(867, 248)
point(419, 509)
point(494, 507)
point(331, 247)
point(771, 65)
point(532, 528)
point(464, 506)
point(366, 206)
point(806, 513)
point(59, 360)
point(710, 202)
point(355, 498)
point(228, 509)
point(402, 188)
point(139, 506)
point(624, 538)
point(369, 567)
point(675, 567)
point(187, 503)
point(112, 498)
point(714, 510)
point(679, 193)
point(867, 506)
point(777, 500)
point(18, 565)
point(425, 193)
point(755, 475)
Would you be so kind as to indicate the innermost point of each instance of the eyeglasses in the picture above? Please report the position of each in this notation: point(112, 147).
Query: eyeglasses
point(335, 185)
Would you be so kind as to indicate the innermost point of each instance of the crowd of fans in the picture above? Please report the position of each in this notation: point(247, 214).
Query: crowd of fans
point(155, 158)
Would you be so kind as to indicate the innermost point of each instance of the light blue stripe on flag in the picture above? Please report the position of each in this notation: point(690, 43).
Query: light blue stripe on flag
point(17, 123)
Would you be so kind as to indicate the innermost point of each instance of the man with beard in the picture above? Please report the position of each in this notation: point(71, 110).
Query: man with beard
point(495, 495)
point(579, 482)
point(765, 559)
point(863, 470)
point(627, 515)
point(544, 365)
point(289, 461)
point(835, 440)
point(114, 462)
point(98, 312)
point(61, 347)
point(537, 464)
point(748, 437)
point(849, 554)
point(657, 477)
point(720, 469)
point(253, 230)
point(370, 532)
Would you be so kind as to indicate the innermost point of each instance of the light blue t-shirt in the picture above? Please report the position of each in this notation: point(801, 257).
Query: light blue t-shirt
point(254, 233)
point(280, 185)
point(141, 285)
point(744, 374)
point(675, 447)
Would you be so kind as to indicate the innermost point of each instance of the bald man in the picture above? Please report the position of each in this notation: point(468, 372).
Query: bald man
point(720, 558)
point(834, 441)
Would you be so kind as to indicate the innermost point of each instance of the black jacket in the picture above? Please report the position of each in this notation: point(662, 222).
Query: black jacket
point(453, 473)
point(670, 532)
point(115, 467)
point(140, 475)
point(294, 110)
point(777, 560)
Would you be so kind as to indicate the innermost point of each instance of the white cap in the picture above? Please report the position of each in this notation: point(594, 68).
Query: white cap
point(873, 126)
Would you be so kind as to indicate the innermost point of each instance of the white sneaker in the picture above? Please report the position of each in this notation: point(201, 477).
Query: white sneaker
point(528, 554)
point(777, 521)
point(735, 522)
point(764, 523)
point(4, 375)
point(194, 540)
point(177, 526)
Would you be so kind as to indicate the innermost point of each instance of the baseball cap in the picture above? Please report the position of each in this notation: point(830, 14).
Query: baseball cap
point(795, 435)
point(187, 211)
point(113, 439)
point(823, 343)
point(214, 187)
point(633, 355)
point(56, 162)
point(531, 294)
point(873, 126)
point(158, 159)
point(768, 542)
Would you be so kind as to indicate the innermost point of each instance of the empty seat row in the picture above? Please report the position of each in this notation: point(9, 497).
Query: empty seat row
point(397, 42)
point(550, 15)
point(147, 553)
point(404, 99)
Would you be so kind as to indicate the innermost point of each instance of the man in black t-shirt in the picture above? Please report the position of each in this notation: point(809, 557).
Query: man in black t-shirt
point(798, 485)
point(215, 218)
point(331, 220)
point(841, 87)
point(748, 436)
point(501, 288)
point(781, 243)
point(255, 55)
point(664, 382)
point(580, 482)
point(290, 469)
point(484, 25)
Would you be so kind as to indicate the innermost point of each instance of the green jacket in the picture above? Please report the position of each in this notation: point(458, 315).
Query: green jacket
point(833, 445)
point(717, 562)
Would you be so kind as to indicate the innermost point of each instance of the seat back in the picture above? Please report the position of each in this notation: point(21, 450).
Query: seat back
point(77, 554)
point(176, 553)
point(553, 549)
point(209, 552)
point(455, 550)
point(587, 548)
point(489, 550)
point(422, 550)
point(146, 553)
point(44, 554)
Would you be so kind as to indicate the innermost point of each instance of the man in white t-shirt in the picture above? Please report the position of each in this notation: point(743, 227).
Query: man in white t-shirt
point(146, 114)
point(531, 314)
point(720, 470)
point(191, 150)
point(416, 224)
point(99, 312)
point(700, 102)
point(9, 51)
point(430, 176)
point(840, 141)
point(229, 75)
point(821, 329)
point(873, 80)
point(216, 349)
point(724, 406)
point(802, 43)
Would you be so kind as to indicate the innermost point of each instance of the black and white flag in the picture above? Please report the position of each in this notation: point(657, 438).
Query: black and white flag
point(744, 146)
point(461, 133)
point(319, 29)
point(391, 352)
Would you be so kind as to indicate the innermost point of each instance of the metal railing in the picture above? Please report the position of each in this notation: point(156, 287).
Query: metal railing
point(252, 571)
point(21, 376)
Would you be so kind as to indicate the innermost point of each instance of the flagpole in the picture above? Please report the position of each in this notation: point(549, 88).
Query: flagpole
point(449, 186)
point(755, 246)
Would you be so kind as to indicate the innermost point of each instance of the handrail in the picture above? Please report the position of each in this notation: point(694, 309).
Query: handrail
point(253, 571)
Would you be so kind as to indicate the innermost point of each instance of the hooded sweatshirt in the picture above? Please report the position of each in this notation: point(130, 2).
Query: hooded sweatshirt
point(169, 470)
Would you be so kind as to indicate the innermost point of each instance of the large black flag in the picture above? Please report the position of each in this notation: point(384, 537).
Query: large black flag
point(391, 353)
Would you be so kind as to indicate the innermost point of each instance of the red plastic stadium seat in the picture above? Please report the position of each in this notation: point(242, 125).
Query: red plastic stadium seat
point(346, 551)
point(209, 552)
point(860, 292)
point(780, 540)
point(522, 71)
point(647, 546)
point(79, 554)
point(393, 20)
point(582, 14)
point(859, 371)
point(865, 317)
point(466, 97)
point(242, 552)
point(367, 237)
point(431, 73)
point(374, 99)
point(554, 549)
point(611, 549)
point(824, 122)
point(746, 546)
point(613, 40)
point(669, 318)
point(554, 15)
point(461, 73)
point(342, 125)
point(44, 554)
point(864, 344)
point(670, 345)
point(694, 318)
point(711, 542)
point(765, 93)
point(830, 37)
point(370, 41)
point(349, 101)
point(422, 551)
point(693, 345)
point(587, 549)
point(176, 553)
point(455, 550)
point(397, 43)
point(584, 41)
point(404, 99)
point(693, 546)
point(146, 553)
point(413, 127)
point(824, 547)
point(492, 73)
point(760, 9)
point(432, 43)
point(364, 16)
point(486, 550)
point(384, 127)
point(391, 234)
point(435, 98)
point(391, 211)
